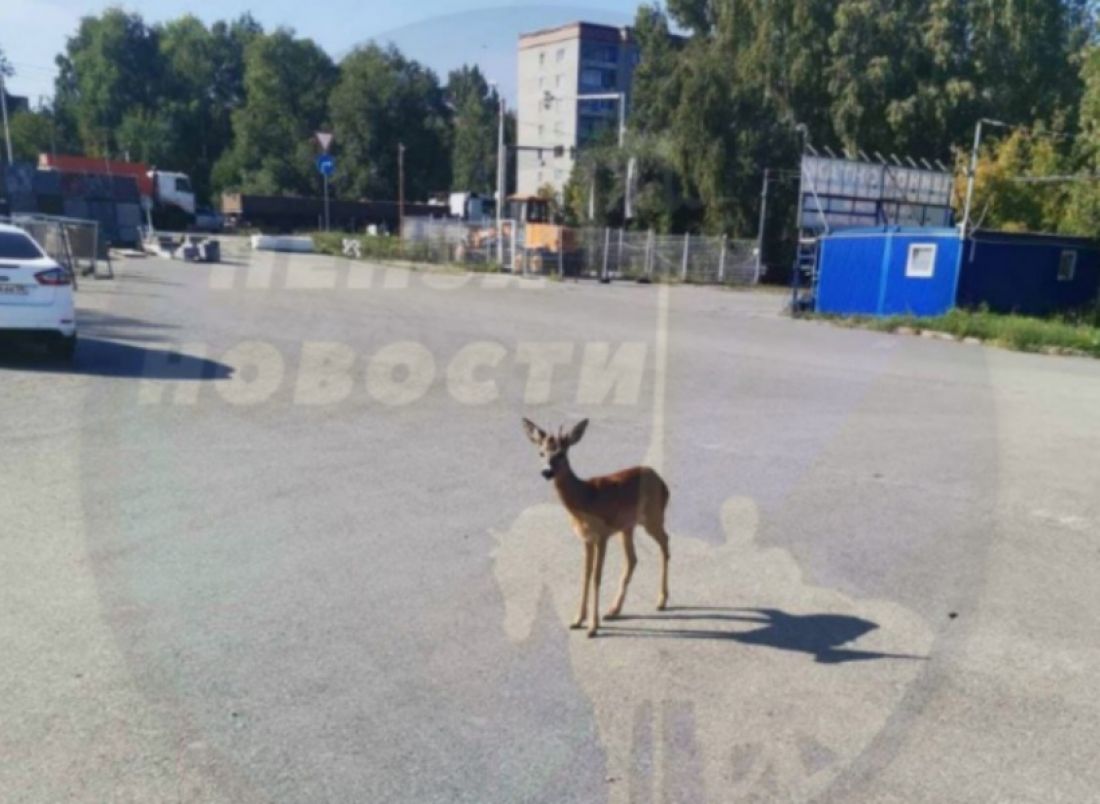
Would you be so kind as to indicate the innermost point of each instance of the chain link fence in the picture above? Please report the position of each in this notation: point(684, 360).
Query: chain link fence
point(584, 252)
point(73, 243)
point(437, 240)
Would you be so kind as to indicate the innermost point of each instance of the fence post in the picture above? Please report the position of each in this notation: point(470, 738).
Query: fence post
point(722, 262)
point(561, 252)
point(684, 267)
point(619, 257)
point(512, 257)
point(606, 248)
point(649, 255)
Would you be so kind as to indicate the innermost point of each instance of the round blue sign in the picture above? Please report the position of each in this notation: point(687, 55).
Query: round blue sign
point(326, 164)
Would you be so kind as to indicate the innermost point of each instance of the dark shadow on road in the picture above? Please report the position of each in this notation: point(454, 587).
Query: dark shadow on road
point(96, 357)
point(819, 635)
point(106, 326)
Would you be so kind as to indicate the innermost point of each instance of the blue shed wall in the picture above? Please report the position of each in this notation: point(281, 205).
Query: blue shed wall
point(1019, 273)
point(863, 272)
point(850, 274)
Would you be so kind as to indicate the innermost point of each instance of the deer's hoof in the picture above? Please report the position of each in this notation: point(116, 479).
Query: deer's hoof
point(576, 625)
point(612, 615)
point(591, 633)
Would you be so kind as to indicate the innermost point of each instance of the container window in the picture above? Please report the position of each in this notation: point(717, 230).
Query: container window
point(922, 261)
point(1067, 266)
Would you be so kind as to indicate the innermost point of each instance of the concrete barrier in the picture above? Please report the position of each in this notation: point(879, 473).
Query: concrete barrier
point(300, 245)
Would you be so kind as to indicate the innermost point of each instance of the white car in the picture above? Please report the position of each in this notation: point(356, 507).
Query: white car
point(36, 294)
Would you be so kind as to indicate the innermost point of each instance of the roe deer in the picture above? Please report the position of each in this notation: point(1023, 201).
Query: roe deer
point(601, 507)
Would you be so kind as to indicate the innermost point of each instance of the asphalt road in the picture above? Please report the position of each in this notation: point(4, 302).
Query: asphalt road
point(275, 540)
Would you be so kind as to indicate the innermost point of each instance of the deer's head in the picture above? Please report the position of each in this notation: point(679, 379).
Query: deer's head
point(553, 449)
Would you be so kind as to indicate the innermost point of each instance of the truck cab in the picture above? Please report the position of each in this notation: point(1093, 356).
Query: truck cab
point(174, 190)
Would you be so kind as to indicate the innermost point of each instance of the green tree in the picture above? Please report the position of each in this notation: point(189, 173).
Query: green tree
point(1003, 201)
point(475, 123)
point(382, 100)
point(111, 66)
point(149, 137)
point(287, 81)
point(31, 134)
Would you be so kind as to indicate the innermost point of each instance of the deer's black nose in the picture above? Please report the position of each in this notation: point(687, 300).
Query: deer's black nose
point(548, 473)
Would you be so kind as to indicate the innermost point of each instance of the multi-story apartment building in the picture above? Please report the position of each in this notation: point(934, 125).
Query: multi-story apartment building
point(558, 67)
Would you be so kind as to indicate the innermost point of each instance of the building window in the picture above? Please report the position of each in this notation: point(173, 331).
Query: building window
point(541, 81)
point(1067, 266)
point(561, 54)
point(922, 261)
point(608, 54)
point(542, 59)
point(557, 81)
point(597, 79)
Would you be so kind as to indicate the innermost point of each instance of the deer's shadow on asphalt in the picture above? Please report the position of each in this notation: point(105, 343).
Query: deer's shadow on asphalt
point(818, 635)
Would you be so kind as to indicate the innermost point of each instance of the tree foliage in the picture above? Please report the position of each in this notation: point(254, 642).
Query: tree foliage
point(236, 107)
point(287, 81)
point(381, 102)
point(711, 110)
point(475, 120)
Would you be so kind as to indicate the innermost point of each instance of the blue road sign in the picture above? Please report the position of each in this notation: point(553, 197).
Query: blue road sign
point(326, 164)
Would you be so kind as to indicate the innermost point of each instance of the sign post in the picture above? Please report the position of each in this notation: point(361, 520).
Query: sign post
point(325, 165)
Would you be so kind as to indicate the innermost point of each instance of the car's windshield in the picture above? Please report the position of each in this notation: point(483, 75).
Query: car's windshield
point(15, 246)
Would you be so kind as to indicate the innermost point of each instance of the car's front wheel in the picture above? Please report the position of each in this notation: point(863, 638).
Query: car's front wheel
point(63, 347)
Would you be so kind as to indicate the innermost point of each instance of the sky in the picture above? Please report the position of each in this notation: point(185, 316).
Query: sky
point(443, 34)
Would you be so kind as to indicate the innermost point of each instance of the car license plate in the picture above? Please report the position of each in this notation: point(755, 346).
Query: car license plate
point(12, 290)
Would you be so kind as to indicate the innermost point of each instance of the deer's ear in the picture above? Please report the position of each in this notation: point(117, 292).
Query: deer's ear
point(577, 433)
point(534, 432)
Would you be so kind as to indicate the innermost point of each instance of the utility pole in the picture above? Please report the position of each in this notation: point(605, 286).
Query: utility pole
point(971, 171)
point(502, 167)
point(763, 218)
point(4, 107)
point(622, 119)
point(400, 189)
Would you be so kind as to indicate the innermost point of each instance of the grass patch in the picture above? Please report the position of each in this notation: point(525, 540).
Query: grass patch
point(385, 248)
point(1077, 334)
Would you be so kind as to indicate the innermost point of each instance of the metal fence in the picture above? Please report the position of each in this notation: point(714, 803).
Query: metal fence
point(439, 240)
point(73, 243)
point(586, 252)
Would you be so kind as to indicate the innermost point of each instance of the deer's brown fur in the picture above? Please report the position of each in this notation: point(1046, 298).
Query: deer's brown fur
point(600, 507)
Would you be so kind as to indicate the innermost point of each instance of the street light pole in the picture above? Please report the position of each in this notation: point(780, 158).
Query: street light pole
point(763, 220)
point(4, 108)
point(972, 171)
point(400, 189)
point(622, 119)
point(502, 166)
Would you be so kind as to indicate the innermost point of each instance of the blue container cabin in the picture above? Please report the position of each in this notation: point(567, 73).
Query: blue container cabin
point(888, 270)
point(1030, 274)
point(925, 271)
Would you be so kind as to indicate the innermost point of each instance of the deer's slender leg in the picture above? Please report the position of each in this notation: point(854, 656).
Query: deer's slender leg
point(661, 536)
point(628, 571)
point(588, 558)
point(597, 574)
